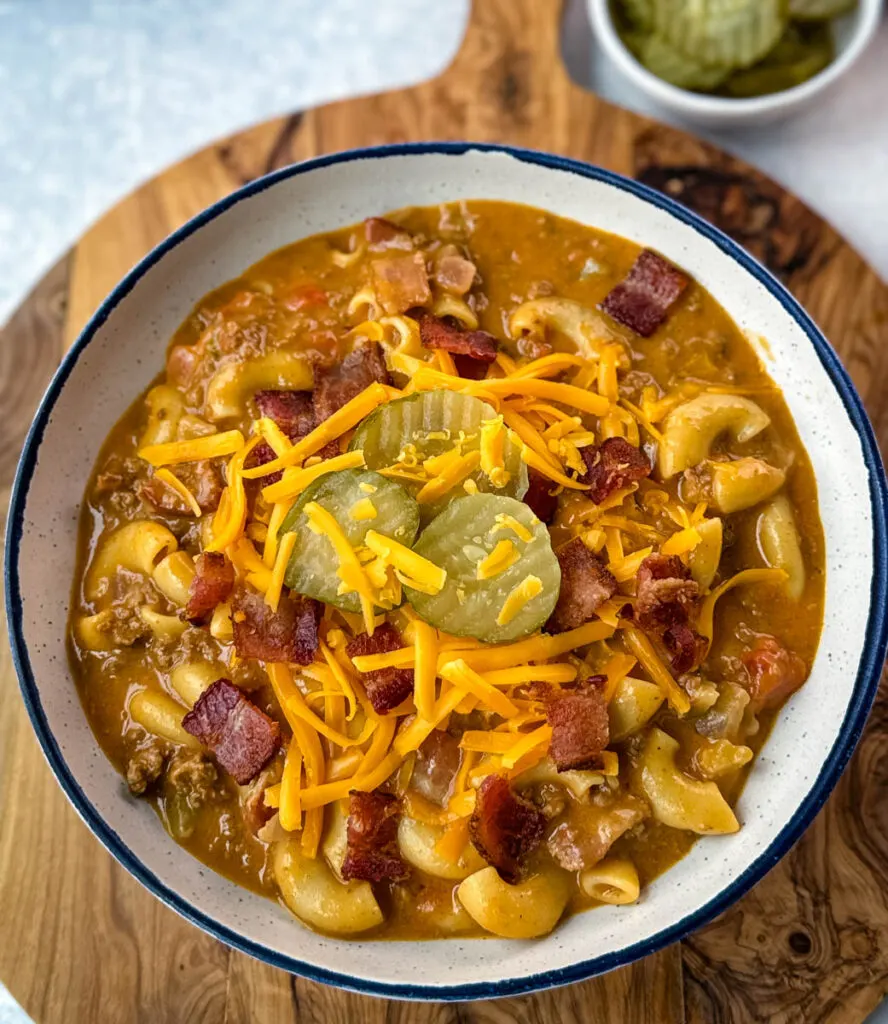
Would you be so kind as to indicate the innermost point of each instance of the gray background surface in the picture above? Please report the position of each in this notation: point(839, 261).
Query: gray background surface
point(98, 95)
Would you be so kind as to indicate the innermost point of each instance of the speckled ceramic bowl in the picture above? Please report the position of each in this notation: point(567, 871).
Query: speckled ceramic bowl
point(120, 352)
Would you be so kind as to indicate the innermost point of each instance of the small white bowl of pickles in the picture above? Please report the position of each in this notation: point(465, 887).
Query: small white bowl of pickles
point(726, 63)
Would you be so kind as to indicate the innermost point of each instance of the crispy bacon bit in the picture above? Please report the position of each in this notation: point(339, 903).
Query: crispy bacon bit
point(592, 828)
point(666, 594)
point(437, 763)
point(256, 812)
point(613, 464)
point(667, 600)
point(262, 453)
point(372, 853)
point(387, 687)
point(335, 385)
point(644, 299)
point(454, 273)
point(383, 234)
point(774, 672)
point(586, 584)
point(290, 634)
point(580, 730)
point(539, 497)
point(212, 584)
point(243, 738)
point(401, 282)
point(293, 411)
point(688, 648)
point(504, 827)
point(439, 333)
point(202, 478)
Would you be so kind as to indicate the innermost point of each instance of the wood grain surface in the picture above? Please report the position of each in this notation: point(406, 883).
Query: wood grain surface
point(83, 942)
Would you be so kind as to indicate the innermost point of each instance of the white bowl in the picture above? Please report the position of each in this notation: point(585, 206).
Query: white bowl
point(120, 352)
point(852, 35)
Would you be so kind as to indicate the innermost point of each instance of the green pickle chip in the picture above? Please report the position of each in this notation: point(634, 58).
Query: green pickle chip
point(429, 423)
point(725, 33)
point(314, 563)
point(665, 61)
point(459, 540)
point(803, 51)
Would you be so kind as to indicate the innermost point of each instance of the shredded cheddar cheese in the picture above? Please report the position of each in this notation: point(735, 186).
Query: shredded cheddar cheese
point(417, 571)
point(276, 582)
point(350, 415)
point(425, 669)
point(529, 588)
point(211, 446)
point(363, 510)
point(461, 675)
point(503, 557)
point(493, 439)
point(295, 482)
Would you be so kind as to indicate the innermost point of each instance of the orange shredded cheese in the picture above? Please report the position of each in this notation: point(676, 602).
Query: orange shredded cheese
point(460, 674)
point(210, 446)
point(648, 658)
point(296, 481)
point(276, 582)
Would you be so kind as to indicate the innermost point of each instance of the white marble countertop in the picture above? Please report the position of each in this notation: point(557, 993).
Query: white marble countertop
point(98, 95)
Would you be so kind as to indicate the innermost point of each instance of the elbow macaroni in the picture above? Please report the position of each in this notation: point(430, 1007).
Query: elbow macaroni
point(137, 546)
point(612, 880)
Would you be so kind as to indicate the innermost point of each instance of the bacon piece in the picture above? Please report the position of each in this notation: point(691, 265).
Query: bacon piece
point(687, 647)
point(262, 453)
point(212, 584)
point(437, 763)
point(611, 465)
point(293, 411)
point(401, 282)
point(372, 853)
point(243, 738)
point(666, 594)
point(290, 634)
point(383, 234)
point(580, 730)
point(437, 333)
point(644, 299)
point(592, 827)
point(202, 478)
point(504, 827)
point(667, 600)
point(539, 497)
point(586, 584)
point(454, 273)
point(774, 672)
point(335, 385)
point(387, 687)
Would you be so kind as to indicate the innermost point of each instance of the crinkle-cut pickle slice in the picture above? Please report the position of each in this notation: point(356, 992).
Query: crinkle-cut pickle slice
point(803, 51)
point(345, 495)
point(431, 421)
point(730, 33)
point(461, 537)
point(662, 59)
point(819, 10)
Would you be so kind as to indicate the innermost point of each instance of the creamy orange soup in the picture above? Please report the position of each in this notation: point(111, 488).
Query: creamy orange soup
point(450, 575)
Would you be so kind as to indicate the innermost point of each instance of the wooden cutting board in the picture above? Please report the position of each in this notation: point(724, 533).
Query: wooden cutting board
point(82, 942)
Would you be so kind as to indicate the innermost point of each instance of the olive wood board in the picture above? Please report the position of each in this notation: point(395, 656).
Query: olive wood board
point(83, 942)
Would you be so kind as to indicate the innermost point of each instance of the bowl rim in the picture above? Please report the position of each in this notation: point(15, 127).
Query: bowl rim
point(702, 104)
point(872, 654)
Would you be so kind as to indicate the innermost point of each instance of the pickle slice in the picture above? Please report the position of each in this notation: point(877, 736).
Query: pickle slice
point(729, 33)
point(409, 430)
point(313, 564)
point(820, 10)
point(662, 59)
point(465, 534)
point(803, 51)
